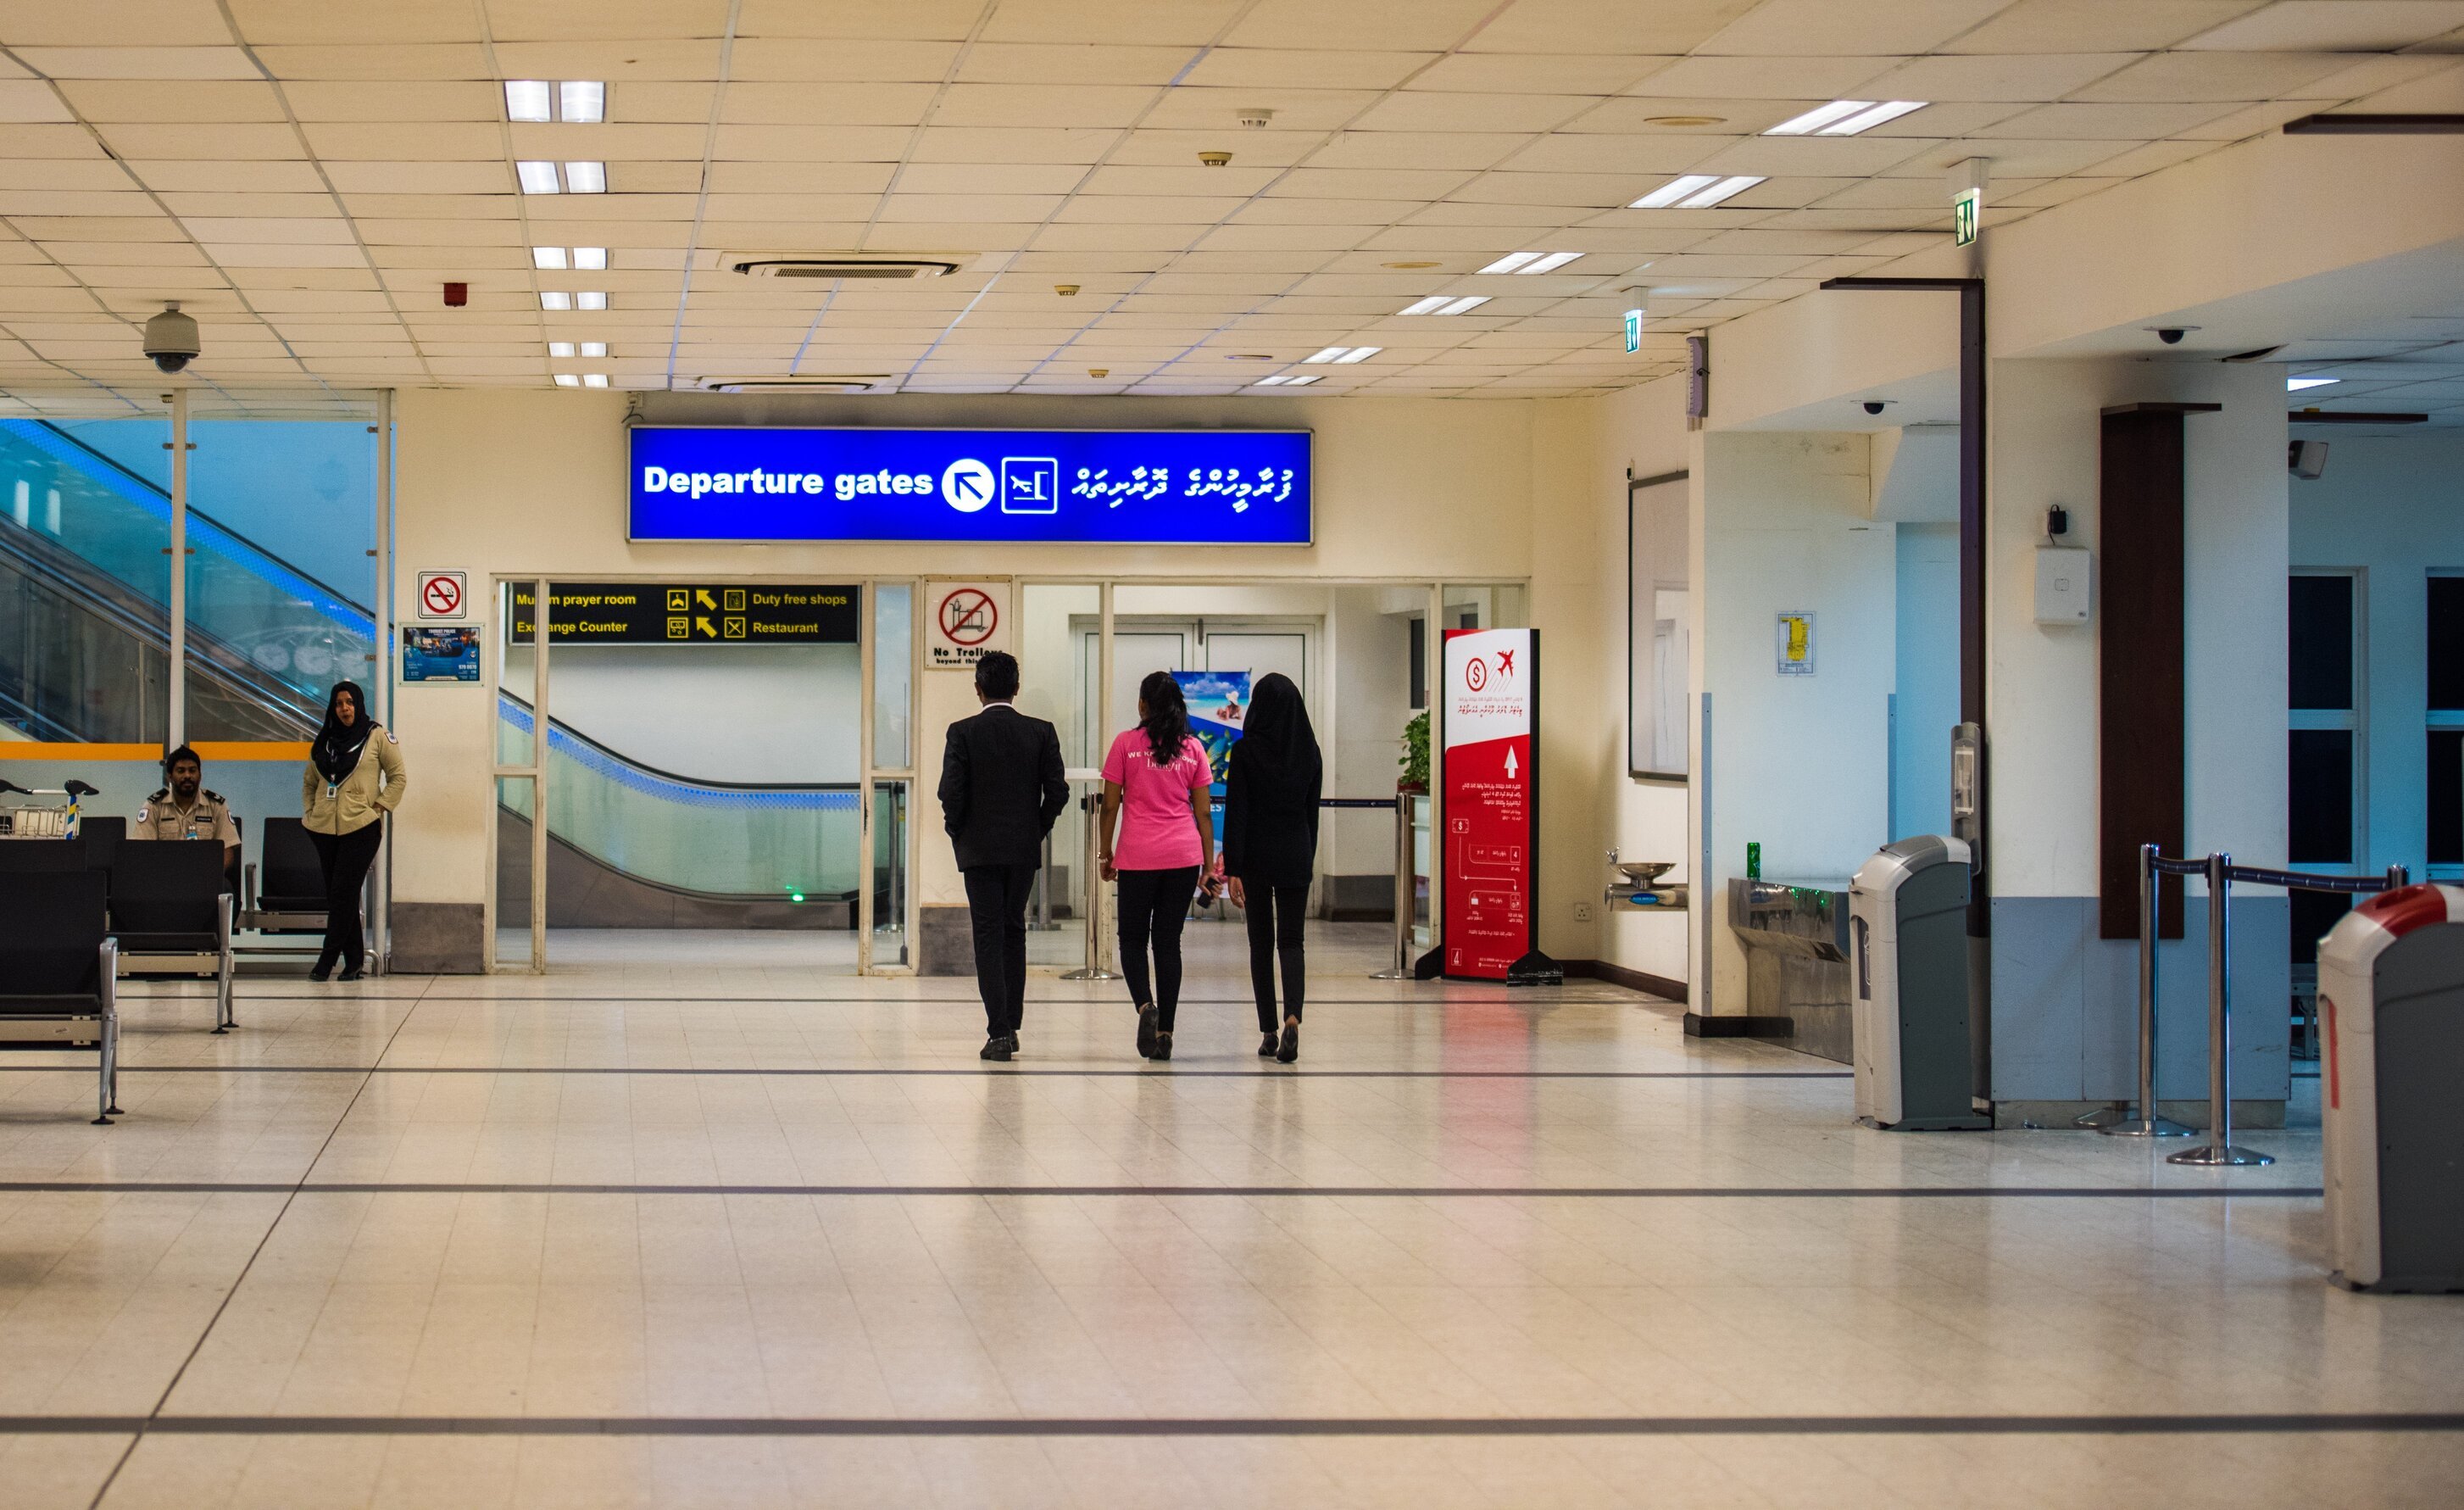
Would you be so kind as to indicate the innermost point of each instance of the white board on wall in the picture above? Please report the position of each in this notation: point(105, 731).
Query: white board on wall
point(1657, 601)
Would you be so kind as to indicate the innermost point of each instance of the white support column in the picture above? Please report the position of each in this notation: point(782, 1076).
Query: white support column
point(1099, 944)
point(381, 668)
point(175, 727)
point(867, 610)
point(540, 607)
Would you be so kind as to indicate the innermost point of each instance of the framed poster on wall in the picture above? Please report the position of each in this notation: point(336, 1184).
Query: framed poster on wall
point(1657, 601)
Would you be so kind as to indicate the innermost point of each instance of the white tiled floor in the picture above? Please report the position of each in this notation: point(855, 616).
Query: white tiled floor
point(726, 1229)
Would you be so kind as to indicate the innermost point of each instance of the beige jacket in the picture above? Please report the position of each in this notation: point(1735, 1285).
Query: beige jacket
point(361, 799)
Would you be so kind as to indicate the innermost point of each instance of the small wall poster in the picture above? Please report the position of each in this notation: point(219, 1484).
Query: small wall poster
point(440, 653)
point(1796, 644)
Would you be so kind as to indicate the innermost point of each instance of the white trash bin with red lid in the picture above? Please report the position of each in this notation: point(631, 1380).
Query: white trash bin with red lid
point(2391, 1026)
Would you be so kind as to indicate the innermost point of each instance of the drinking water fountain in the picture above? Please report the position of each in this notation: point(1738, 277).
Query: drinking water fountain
point(1639, 885)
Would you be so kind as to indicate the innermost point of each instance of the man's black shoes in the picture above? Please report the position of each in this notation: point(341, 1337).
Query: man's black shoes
point(999, 1047)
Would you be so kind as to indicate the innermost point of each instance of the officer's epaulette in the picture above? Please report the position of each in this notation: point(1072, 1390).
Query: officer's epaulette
point(160, 795)
point(209, 791)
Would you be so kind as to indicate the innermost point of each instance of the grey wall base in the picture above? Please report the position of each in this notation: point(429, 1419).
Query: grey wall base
point(2066, 1005)
point(1356, 899)
point(2064, 1115)
point(437, 938)
point(947, 944)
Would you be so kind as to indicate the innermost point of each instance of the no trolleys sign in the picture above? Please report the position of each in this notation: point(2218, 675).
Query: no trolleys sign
point(962, 620)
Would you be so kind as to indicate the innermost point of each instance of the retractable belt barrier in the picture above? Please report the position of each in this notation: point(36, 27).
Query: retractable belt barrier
point(2221, 873)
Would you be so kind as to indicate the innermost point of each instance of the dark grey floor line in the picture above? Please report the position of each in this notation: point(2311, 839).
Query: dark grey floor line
point(1178, 1071)
point(1575, 1192)
point(2164, 1424)
point(1525, 999)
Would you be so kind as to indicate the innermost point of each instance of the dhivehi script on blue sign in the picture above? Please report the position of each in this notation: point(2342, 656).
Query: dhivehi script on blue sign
point(1178, 487)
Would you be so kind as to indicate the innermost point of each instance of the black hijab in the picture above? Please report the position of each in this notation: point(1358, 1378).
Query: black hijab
point(337, 750)
point(1277, 734)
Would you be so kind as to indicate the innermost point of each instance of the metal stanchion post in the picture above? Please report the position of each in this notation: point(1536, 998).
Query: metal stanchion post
point(1095, 968)
point(2218, 1149)
point(1044, 888)
point(2147, 1123)
point(1403, 893)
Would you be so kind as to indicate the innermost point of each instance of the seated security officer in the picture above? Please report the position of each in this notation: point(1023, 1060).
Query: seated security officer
point(185, 809)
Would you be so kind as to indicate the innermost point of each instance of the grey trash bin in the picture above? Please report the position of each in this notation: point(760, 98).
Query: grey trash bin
point(1907, 913)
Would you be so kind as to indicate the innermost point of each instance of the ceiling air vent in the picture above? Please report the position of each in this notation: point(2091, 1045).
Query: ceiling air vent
point(828, 266)
point(863, 383)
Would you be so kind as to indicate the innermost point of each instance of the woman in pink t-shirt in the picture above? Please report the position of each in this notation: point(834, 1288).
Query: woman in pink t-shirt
point(1156, 780)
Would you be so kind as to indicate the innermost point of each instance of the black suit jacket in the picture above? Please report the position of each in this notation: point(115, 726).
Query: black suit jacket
point(1001, 787)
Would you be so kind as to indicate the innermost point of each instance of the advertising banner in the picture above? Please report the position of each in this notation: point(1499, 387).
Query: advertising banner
point(1151, 487)
point(1216, 701)
point(690, 613)
point(1492, 807)
point(440, 653)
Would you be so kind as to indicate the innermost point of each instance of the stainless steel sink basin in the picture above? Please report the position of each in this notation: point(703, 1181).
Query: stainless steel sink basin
point(1644, 873)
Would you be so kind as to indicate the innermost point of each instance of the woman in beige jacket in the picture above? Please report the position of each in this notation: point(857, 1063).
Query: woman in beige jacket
point(355, 777)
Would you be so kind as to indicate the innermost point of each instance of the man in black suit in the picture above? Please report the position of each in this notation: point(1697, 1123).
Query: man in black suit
point(1001, 787)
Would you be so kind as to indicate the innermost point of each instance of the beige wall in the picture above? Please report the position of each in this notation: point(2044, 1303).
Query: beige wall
point(521, 483)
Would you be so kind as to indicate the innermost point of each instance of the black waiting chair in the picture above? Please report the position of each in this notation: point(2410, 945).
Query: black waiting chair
point(102, 839)
point(170, 912)
point(42, 857)
point(59, 972)
point(285, 890)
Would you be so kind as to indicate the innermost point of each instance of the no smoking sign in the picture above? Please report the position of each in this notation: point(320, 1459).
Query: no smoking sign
point(443, 595)
point(963, 621)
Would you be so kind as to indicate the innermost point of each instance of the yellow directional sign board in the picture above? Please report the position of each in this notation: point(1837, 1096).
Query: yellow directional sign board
point(692, 613)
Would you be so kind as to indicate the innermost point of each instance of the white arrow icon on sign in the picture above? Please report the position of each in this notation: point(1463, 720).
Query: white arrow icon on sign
point(1510, 766)
point(967, 484)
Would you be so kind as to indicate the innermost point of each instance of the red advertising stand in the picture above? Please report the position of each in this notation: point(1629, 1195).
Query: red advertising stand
point(1488, 721)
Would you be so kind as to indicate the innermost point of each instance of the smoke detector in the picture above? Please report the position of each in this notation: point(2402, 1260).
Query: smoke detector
point(1065, 290)
point(1215, 159)
point(840, 384)
point(1255, 117)
point(831, 266)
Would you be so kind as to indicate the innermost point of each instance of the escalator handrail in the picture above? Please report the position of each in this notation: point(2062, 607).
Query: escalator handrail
point(45, 436)
point(666, 784)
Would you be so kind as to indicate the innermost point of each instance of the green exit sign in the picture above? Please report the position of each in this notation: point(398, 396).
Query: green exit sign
point(1632, 331)
point(1963, 216)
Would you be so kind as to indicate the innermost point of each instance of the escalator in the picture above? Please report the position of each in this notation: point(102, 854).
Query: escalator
point(84, 657)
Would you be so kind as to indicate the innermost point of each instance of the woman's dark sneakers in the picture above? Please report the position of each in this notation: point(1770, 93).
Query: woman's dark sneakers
point(1163, 1046)
point(1290, 1048)
point(1147, 1031)
point(1267, 1045)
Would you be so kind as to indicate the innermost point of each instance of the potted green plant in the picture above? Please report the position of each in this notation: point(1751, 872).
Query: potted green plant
point(1415, 759)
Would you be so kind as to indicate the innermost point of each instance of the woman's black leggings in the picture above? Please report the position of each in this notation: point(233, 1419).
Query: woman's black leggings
point(1277, 916)
point(1155, 903)
point(347, 857)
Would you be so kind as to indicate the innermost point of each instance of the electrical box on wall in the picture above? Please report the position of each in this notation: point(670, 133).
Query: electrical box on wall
point(2061, 585)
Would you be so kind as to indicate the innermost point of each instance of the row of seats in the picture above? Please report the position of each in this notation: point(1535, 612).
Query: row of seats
point(166, 905)
point(59, 965)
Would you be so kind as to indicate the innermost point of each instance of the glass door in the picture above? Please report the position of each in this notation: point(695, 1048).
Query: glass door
point(886, 898)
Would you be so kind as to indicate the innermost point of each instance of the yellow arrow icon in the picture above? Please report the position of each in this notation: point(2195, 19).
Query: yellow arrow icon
point(703, 625)
point(702, 596)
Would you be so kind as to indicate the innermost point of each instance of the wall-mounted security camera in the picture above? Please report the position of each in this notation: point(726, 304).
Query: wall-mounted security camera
point(1875, 406)
point(2307, 459)
point(171, 337)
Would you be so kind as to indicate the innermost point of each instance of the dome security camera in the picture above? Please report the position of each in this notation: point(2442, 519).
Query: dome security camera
point(171, 337)
point(1875, 406)
point(2171, 335)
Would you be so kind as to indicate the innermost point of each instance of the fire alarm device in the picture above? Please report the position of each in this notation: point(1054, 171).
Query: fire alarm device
point(456, 295)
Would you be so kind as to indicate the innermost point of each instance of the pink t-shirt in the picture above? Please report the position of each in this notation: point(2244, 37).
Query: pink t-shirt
point(1156, 830)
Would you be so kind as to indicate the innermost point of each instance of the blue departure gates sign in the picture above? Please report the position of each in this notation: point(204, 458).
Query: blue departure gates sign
point(1146, 488)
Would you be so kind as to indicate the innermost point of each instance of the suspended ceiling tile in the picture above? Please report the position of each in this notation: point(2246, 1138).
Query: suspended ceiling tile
point(1132, 210)
point(315, 100)
point(1411, 110)
point(2339, 26)
point(420, 178)
point(33, 202)
point(1286, 68)
point(797, 144)
point(277, 207)
point(1645, 160)
point(942, 20)
point(2140, 122)
point(845, 105)
point(134, 254)
point(206, 176)
point(784, 210)
point(2151, 158)
point(803, 178)
point(1825, 157)
point(228, 141)
point(55, 172)
point(138, 62)
point(2072, 26)
point(1359, 24)
point(1826, 27)
point(940, 144)
point(1439, 149)
point(2185, 78)
point(415, 61)
point(1196, 108)
point(2019, 156)
point(993, 178)
point(815, 62)
point(161, 100)
point(52, 229)
point(670, 60)
point(2249, 121)
point(309, 21)
point(1034, 105)
point(30, 99)
point(605, 20)
point(1537, 74)
point(1585, 190)
point(372, 140)
point(1812, 80)
point(672, 141)
point(17, 141)
point(2037, 77)
point(1077, 63)
point(1183, 24)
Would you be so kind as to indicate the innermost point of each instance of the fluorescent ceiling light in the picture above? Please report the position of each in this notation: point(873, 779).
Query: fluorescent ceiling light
point(1531, 261)
point(1550, 263)
point(1424, 307)
point(1468, 303)
point(537, 178)
point(1359, 354)
point(581, 102)
point(1820, 115)
point(1286, 380)
point(585, 178)
point(1344, 354)
point(554, 299)
point(551, 257)
point(594, 379)
point(593, 301)
point(1724, 188)
point(560, 349)
point(1330, 354)
point(1675, 189)
point(1510, 263)
point(527, 99)
point(568, 380)
point(1868, 119)
point(590, 259)
point(594, 348)
point(2295, 385)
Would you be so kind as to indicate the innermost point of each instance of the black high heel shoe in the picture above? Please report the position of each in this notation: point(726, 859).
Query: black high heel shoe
point(1146, 1030)
point(1267, 1046)
point(1290, 1048)
point(1163, 1046)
